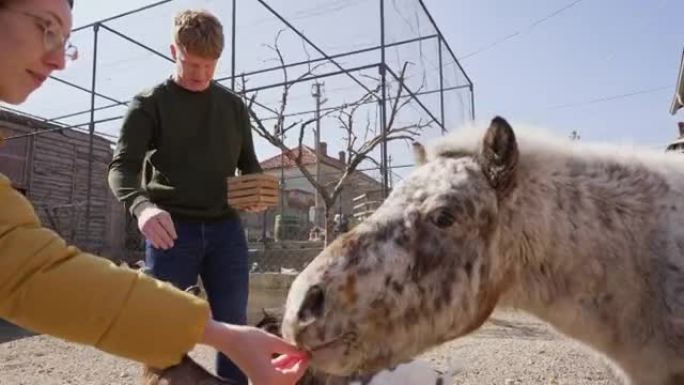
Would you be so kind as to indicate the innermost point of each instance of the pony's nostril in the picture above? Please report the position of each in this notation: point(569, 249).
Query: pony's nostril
point(312, 306)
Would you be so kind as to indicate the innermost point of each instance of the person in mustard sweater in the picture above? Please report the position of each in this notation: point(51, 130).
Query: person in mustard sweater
point(42, 279)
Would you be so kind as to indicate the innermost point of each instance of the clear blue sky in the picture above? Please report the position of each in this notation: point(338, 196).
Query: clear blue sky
point(555, 73)
point(560, 64)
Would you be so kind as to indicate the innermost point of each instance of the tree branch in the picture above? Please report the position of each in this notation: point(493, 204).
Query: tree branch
point(358, 146)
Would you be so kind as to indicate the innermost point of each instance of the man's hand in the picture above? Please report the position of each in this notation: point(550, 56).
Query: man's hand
point(252, 350)
point(258, 208)
point(157, 227)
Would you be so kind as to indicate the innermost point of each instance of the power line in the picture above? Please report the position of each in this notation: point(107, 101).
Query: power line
point(308, 13)
point(611, 98)
point(412, 28)
point(80, 127)
point(522, 31)
point(392, 98)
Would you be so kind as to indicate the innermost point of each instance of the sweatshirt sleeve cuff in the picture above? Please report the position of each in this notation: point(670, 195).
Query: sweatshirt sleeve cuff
point(139, 204)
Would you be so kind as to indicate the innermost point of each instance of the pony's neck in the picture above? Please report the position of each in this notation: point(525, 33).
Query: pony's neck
point(548, 228)
point(563, 229)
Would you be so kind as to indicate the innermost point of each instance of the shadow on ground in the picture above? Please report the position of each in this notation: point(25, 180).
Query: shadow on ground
point(10, 332)
point(501, 328)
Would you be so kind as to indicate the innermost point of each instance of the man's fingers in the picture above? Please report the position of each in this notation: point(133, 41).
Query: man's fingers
point(158, 235)
point(163, 234)
point(153, 239)
point(256, 208)
point(158, 227)
point(167, 224)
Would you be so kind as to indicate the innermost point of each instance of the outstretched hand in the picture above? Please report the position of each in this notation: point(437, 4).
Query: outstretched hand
point(253, 349)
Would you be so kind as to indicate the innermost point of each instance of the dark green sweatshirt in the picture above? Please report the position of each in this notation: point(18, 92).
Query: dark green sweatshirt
point(177, 147)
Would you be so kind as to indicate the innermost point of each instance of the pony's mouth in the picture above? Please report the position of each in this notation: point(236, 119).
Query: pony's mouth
point(329, 355)
point(346, 339)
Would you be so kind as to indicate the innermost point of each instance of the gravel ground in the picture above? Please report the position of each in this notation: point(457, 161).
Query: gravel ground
point(511, 349)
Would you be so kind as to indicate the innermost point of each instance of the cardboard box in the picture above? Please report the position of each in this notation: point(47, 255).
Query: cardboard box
point(254, 189)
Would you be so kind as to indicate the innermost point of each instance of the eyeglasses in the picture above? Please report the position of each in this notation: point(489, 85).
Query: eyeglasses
point(53, 39)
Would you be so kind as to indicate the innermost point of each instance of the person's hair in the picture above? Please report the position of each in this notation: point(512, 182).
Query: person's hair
point(199, 33)
point(4, 3)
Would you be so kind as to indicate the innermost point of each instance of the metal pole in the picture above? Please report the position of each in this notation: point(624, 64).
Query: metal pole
point(233, 50)
point(383, 102)
point(472, 102)
point(60, 129)
point(441, 84)
point(391, 174)
point(79, 113)
point(282, 178)
point(264, 217)
point(336, 56)
point(413, 95)
point(317, 93)
point(392, 98)
point(310, 78)
point(149, 6)
point(89, 188)
point(76, 86)
point(446, 43)
point(139, 44)
point(314, 46)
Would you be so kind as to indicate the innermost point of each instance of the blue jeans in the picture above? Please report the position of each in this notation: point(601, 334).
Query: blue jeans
point(217, 252)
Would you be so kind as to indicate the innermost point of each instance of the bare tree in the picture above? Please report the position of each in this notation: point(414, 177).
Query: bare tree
point(359, 142)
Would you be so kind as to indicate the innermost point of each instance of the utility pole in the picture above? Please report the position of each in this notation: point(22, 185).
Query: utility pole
point(317, 93)
point(574, 135)
point(389, 170)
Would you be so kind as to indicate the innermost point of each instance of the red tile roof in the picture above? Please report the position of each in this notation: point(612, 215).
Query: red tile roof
point(308, 158)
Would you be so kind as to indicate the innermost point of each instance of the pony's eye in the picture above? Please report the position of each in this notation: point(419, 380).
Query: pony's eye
point(443, 219)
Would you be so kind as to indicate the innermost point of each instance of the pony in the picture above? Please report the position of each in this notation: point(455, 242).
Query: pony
point(588, 238)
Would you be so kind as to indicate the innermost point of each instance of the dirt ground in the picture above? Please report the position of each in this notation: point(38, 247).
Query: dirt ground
point(511, 349)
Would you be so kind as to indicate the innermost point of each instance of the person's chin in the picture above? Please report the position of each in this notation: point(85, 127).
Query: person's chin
point(16, 97)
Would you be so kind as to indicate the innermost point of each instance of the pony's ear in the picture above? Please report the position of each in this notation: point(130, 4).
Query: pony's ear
point(499, 156)
point(419, 154)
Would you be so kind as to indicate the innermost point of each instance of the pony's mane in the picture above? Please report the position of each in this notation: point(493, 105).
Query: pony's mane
point(541, 143)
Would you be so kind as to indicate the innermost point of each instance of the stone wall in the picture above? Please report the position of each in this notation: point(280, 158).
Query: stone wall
point(277, 257)
point(267, 291)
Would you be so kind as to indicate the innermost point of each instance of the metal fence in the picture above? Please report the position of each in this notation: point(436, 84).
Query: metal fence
point(334, 51)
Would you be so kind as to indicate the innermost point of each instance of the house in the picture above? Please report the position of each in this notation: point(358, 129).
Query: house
point(51, 169)
point(678, 100)
point(298, 194)
point(678, 144)
point(678, 103)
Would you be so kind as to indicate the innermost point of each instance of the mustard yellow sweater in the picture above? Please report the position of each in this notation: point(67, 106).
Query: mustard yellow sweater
point(49, 287)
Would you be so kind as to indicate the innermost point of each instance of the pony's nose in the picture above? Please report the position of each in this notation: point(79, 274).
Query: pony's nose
point(312, 306)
